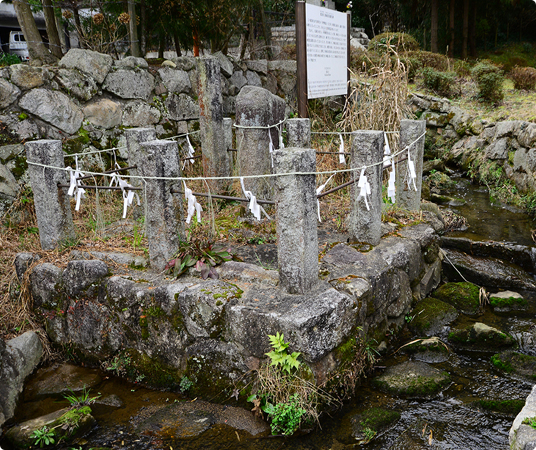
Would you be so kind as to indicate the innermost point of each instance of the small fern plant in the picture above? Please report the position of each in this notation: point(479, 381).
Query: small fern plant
point(279, 355)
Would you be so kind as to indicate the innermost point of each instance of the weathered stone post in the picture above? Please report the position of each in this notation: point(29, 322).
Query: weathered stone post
point(299, 133)
point(365, 224)
point(257, 107)
point(297, 238)
point(406, 196)
point(52, 205)
point(215, 155)
point(228, 132)
point(135, 137)
point(163, 220)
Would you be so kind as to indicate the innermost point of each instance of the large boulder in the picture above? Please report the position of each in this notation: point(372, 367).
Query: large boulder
point(53, 107)
point(412, 379)
point(130, 84)
point(8, 93)
point(489, 272)
point(95, 64)
point(18, 358)
point(482, 337)
point(77, 83)
point(137, 113)
point(431, 316)
point(104, 113)
point(463, 296)
point(176, 81)
point(181, 107)
point(522, 436)
point(27, 77)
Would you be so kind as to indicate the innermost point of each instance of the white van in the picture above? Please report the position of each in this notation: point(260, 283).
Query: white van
point(18, 45)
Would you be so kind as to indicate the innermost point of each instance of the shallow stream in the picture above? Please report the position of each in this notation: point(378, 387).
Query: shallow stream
point(449, 421)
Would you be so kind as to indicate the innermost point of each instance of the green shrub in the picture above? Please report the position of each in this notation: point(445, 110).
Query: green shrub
point(489, 79)
point(428, 59)
point(413, 65)
point(7, 60)
point(440, 82)
point(462, 68)
point(523, 78)
point(399, 42)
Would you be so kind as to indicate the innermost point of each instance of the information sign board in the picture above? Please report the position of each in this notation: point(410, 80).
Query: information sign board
point(327, 52)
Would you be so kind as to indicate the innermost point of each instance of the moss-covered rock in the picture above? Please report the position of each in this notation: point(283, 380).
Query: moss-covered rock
point(510, 407)
point(482, 337)
point(463, 296)
point(65, 424)
point(507, 301)
point(412, 379)
point(431, 350)
point(430, 316)
point(514, 362)
point(361, 428)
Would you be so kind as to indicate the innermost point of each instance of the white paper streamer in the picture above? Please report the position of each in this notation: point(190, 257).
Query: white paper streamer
point(128, 194)
point(411, 173)
point(193, 206)
point(191, 150)
point(74, 185)
point(280, 130)
point(364, 186)
point(271, 148)
point(342, 159)
point(253, 205)
point(391, 189)
point(386, 148)
point(318, 191)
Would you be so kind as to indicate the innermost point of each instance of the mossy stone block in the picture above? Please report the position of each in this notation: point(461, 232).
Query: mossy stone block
point(430, 316)
point(463, 296)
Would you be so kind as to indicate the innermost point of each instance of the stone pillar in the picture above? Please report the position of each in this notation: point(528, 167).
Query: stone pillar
point(297, 238)
point(163, 220)
point(299, 133)
point(215, 155)
point(257, 107)
point(228, 132)
point(134, 137)
point(406, 196)
point(52, 205)
point(365, 225)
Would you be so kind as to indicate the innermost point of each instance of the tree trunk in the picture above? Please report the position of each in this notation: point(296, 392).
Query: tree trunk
point(177, 43)
point(433, 30)
point(472, 32)
point(465, 28)
point(266, 31)
point(133, 30)
point(161, 46)
point(37, 50)
point(52, 30)
point(143, 20)
point(79, 29)
point(451, 26)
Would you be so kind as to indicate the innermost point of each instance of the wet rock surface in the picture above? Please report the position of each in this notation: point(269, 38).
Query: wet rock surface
point(413, 379)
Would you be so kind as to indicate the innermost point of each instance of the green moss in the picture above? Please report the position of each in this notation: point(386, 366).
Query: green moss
point(377, 418)
point(157, 373)
point(463, 296)
point(498, 302)
point(155, 311)
point(512, 407)
point(429, 314)
point(491, 339)
point(219, 303)
point(74, 416)
point(505, 366)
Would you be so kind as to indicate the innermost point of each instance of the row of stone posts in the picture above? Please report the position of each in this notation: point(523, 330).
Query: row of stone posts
point(258, 142)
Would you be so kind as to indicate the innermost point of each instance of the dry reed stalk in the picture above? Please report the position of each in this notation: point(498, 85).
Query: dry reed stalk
point(378, 102)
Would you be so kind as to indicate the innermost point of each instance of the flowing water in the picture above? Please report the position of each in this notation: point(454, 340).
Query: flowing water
point(449, 421)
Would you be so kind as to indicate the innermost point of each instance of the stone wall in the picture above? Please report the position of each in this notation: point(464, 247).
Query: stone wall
point(472, 141)
point(216, 331)
point(87, 100)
